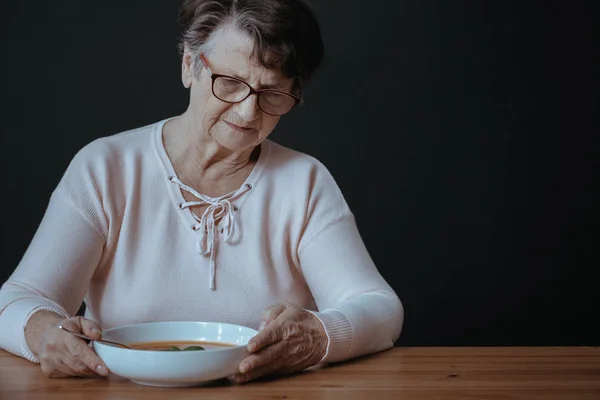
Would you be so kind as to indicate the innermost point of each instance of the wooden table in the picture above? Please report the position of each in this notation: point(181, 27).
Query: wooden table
point(401, 373)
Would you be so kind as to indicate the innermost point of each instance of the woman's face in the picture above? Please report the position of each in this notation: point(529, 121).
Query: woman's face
point(240, 126)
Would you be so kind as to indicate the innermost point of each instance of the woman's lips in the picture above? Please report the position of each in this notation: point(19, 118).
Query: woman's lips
point(236, 127)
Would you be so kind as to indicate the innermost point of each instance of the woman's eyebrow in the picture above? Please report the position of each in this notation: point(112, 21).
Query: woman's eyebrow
point(274, 85)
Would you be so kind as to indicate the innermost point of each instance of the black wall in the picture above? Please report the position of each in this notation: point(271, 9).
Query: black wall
point(461, 132)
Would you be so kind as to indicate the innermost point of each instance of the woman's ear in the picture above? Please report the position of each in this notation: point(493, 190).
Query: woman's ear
point(187, 73)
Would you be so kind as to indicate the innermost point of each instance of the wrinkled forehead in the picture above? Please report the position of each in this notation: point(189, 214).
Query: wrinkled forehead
point(231, 53)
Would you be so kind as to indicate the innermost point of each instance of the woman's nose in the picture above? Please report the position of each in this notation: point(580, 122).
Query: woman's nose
point(248, 108)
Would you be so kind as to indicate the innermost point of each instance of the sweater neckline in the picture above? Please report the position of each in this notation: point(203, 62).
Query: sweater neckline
point(175, 191)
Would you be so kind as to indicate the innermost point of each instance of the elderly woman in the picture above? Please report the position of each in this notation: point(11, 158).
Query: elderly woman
point(201, 217)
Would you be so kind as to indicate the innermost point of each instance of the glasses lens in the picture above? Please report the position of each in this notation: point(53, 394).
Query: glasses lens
point(275, 102)
point(228, 89)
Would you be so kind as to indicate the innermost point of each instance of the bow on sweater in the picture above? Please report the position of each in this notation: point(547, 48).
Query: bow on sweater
point(219, 208)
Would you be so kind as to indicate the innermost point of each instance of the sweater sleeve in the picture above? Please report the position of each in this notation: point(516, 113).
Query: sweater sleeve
point(53, 274)
point(361, 313)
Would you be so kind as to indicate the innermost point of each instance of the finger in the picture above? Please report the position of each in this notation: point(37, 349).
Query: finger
point(267, 355)
point(270, 335)
point(49, 360)
point(77, 367)
point(90, 328)
point(272, 312)
point(70, 367)
point(61, 369)
point(51, 370)
point(79, 350)
point(261, 371)
point(84, 326)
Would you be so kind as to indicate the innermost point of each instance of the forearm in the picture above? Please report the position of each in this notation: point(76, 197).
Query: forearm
point(18, 307)
point(363, 324)
point(360, 311)
point(53, 274)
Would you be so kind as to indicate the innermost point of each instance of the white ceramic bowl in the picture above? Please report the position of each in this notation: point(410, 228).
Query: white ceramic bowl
point(175, 368)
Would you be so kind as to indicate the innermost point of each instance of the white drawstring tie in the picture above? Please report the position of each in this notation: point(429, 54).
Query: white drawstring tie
point(218, 208)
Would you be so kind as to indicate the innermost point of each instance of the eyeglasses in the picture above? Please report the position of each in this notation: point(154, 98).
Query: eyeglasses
point(234, 90)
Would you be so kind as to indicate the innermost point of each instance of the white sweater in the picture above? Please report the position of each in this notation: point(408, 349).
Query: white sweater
point(118, 234)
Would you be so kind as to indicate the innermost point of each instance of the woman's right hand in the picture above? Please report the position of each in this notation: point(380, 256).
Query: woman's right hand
point(60, 353)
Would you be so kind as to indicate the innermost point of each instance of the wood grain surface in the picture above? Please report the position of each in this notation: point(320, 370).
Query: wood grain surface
point(400, 373)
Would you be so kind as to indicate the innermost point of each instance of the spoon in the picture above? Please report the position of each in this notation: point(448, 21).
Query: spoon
point(89, 338)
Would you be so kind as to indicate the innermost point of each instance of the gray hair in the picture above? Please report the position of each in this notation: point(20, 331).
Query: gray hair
point(285, 33)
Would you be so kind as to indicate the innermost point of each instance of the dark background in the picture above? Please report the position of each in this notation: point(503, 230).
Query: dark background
point(461, 133)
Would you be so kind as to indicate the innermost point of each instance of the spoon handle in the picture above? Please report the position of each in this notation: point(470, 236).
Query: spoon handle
point(79, 335)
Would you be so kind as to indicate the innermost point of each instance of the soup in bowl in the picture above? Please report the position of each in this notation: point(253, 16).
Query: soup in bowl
point(179, 345)
point(175, 354)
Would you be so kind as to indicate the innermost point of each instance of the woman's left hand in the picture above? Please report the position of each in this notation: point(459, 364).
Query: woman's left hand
point(292, 339)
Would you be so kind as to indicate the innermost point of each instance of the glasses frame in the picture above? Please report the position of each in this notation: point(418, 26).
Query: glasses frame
point(214, 76)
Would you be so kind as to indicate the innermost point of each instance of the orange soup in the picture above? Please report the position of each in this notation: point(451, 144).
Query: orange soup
point(187, 345)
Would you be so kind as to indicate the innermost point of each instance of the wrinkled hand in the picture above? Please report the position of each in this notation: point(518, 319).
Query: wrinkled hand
point(60, 353)
point(292, 339)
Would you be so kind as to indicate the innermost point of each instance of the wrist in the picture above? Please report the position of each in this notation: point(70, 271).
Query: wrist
point(340, 335)
point(36, 325)
point(323, 341)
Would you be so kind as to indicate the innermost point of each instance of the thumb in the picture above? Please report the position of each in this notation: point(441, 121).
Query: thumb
point(272, 312)
point(90, 328)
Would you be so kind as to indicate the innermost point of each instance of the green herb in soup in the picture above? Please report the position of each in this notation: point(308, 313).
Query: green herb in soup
point(192, 348)
point(189, 348)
